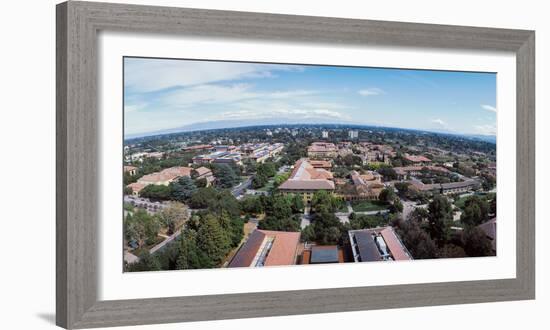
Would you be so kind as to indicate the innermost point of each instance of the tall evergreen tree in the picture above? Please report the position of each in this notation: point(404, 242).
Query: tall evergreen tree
point(183, 189)
point(211, 239)
point(440, 216)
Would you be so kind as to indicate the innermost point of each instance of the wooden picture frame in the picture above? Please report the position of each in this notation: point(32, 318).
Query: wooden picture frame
point(78, 24)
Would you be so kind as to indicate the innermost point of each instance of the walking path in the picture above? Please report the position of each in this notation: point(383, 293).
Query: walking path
point(306, 218)
point(166, 241)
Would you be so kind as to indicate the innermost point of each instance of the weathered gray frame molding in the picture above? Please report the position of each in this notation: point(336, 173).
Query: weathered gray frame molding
point(77, 149)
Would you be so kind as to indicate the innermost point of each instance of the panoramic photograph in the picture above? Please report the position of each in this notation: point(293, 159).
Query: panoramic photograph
point(244, 164)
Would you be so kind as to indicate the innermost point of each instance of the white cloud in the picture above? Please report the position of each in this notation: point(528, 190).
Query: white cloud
point(208, 94)
point(148, 75)
point(440, 122)
point(134, 107)
point(488, 129)
point(289, 94)
point(370, 91)
point(489, 107)
point(225, 94)
point(281, 112)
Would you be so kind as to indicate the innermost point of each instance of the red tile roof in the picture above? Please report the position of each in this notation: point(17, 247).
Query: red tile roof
point(394, 244)
point(166, 174)
point(248, 250)
point(136, 186)
point(417, 159)
point(282, 252)
point(305, 177)
point(203, 171)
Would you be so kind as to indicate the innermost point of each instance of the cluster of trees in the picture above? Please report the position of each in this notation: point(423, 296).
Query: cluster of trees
point(349, 160)
point(428, 176)
point(403, 190)
point(488, 181)
point(264, 172)
point(206, 238)
point(180, 190)
point(388, 196)
point(325, 228)
point(226, 175)
point(464, 168)
point(282, 212)
point(141, 228)
point(362, 221)
point(475, 211)
point(388, 173)
point(293, 151)
point(427, 233)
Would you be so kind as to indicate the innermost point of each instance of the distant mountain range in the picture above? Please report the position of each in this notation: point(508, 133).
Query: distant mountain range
point(220, 124)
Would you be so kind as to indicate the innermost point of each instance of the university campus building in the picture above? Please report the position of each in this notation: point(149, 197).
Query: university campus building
point(305, 180)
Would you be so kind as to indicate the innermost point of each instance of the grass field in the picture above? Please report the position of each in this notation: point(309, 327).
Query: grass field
point(343, 208)
point(366, 206)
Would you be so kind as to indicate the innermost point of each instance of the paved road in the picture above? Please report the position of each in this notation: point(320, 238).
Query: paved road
point(239, 190)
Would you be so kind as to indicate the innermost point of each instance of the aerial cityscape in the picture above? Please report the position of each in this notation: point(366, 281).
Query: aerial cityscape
point(235, 164)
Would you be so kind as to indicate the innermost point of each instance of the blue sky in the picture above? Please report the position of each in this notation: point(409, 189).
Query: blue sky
point(162, 94)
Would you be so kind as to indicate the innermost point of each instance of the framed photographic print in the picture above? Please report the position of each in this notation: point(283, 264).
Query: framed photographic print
point(217, 165)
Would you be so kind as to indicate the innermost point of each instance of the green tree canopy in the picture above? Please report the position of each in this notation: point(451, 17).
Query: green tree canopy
point(156, 192)
point(183, 189)
point(476, 243)
point(440, 217)
point(141, 228)
point(173, 216)
point(146, 262)
point(211, 239)
point(226, 175)
point(476, 211)
point(280, 224)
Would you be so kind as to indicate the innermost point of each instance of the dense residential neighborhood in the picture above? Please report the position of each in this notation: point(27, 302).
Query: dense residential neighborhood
point(306, 194)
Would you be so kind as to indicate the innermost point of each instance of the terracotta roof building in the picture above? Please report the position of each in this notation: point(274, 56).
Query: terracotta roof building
point(267, 248)
point(322, 150)
point(198, 147)
point(306, 180)
point(132, 170)
point(404, 171)
point(417, 159)
point(365, 186)
point(446, 188)
point(136, 187)
point(205, 173)
point(163, 177)
point(166, 176)
point(324, 164)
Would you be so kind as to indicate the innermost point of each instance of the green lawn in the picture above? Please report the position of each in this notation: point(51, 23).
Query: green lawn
point(343, 207)
point(366, 206)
